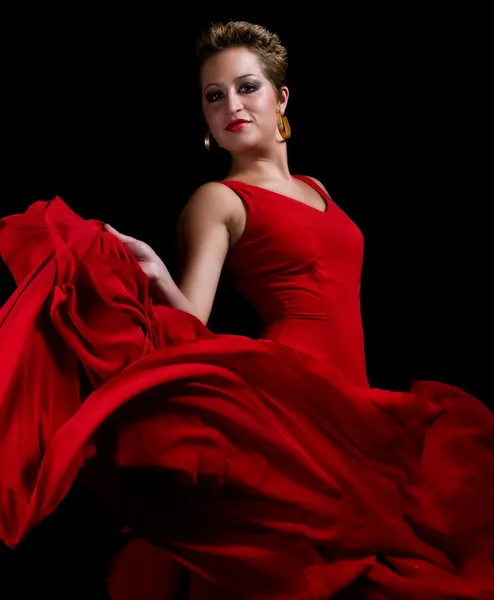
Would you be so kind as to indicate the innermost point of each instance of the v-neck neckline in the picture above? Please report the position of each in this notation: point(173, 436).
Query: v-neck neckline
point(326, 203)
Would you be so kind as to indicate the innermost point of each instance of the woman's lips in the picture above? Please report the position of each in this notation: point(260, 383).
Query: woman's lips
point(236, 125)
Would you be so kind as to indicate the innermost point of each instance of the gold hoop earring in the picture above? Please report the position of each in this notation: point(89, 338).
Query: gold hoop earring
point(283, 126)
point(211, 144)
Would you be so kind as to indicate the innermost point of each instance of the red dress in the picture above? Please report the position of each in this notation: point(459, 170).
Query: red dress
point(269, 466)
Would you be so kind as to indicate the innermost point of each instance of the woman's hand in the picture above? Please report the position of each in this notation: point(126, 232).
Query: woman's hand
point(163, 288)
point(147, 258)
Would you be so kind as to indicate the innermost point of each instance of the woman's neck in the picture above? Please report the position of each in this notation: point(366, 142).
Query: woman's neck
point(268, 167)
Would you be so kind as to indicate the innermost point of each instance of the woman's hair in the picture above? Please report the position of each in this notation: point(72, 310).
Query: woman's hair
point(258, 39)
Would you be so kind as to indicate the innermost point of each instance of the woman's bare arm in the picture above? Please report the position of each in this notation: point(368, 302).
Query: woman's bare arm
point(203, 242)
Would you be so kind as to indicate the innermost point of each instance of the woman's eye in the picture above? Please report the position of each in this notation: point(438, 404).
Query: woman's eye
point(213, 96)
point(248, 88)
point(245, 88)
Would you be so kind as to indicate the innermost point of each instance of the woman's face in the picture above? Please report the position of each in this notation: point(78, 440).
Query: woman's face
point(239, 103)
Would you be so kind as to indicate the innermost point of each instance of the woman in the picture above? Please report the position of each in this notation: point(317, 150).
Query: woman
point(268, 467)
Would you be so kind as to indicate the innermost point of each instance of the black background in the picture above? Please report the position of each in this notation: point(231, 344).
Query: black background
point(387, 108)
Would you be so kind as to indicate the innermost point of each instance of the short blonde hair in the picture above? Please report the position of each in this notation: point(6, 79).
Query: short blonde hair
point(256, 38)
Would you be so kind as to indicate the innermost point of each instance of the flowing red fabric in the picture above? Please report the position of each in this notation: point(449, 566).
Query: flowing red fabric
point(269, 467)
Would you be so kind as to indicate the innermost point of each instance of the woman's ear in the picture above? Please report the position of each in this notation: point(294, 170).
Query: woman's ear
point(283, 99)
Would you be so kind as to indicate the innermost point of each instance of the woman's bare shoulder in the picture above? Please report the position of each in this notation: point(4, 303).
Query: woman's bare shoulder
point(213, 199)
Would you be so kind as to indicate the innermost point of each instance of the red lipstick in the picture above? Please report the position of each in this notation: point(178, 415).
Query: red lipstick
point(236, 125)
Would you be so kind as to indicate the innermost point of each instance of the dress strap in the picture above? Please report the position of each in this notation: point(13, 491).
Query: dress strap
point(309, 181)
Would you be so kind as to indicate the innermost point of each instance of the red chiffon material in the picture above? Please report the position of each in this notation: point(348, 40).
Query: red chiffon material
point(270, 471)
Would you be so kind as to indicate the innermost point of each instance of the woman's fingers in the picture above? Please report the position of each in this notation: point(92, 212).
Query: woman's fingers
point(120, 236)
